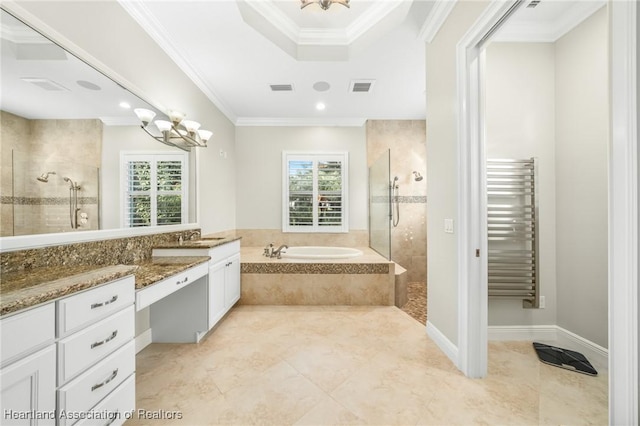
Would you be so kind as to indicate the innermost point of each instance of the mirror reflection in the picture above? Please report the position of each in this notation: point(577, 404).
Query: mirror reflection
point(73, 155)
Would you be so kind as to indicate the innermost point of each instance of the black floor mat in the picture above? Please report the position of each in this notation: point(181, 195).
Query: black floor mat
point(564, 358)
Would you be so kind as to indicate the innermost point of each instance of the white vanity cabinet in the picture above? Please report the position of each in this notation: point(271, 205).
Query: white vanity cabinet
point(63, 360)
point(28, 375)
point(96, 350)
point(223, 289)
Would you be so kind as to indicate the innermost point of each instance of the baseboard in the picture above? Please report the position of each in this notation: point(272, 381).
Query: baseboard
point(143, 340)
point(445, 345)
point(596, 354)
point(556, 336)
point(518, 332)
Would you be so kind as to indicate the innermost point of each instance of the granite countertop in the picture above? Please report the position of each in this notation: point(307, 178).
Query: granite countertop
point(25, 289)
point(159, 267)
point(207, 242)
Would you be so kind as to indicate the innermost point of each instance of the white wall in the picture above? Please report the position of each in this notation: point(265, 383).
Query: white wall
point(442, 262)
point(259, 170)
point(106, 35)
point(520, 123)
point(582, 126)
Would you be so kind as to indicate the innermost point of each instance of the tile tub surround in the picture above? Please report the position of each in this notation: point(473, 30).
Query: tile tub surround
point(318, 365)
point(262, 237)
point(366, 280)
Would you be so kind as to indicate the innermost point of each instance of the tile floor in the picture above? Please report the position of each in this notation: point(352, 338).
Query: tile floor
point(309, 365)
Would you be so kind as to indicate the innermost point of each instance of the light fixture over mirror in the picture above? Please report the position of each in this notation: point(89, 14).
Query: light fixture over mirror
point(178, 132)
point(324, 4)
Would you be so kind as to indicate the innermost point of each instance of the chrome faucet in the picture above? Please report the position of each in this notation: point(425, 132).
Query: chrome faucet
point(189, 236)
point(278, 252)
point(268, 250)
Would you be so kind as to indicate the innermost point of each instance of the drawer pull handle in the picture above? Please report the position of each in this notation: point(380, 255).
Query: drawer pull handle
point(97, 305)
point(110, 378)
point(108, 339)
point(182, 281)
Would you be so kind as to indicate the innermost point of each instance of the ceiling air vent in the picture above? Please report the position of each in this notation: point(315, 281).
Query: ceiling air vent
point(281, 87)
point(45, 84)
point(361, 86)
point(533, 4)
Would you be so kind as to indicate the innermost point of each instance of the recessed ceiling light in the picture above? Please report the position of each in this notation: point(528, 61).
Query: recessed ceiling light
point(320, 106)
point(125, 105)
point(321, 86)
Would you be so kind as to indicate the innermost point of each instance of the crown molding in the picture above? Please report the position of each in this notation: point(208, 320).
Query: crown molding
point(141, 14)
point(436, 18)
point(300, 122)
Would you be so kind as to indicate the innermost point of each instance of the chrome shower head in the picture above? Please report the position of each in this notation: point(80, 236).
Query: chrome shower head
point(45, 177)
point(418, 176)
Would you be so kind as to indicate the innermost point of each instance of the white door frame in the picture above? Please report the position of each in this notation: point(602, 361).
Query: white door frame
point(472, 205)
point(623, 207)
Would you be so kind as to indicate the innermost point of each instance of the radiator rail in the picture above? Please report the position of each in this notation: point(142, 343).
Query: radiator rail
point(512, 224)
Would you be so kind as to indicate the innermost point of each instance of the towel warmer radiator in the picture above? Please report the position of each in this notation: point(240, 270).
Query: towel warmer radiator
point(512, 213)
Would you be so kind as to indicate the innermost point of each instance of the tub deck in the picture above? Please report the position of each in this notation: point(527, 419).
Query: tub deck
point(364, 280)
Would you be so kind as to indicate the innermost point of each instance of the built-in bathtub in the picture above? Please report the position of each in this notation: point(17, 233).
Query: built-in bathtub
point(325, 276)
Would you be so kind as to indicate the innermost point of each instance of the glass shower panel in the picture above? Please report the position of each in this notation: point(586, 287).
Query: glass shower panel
point(51, 197)
point(379, 202)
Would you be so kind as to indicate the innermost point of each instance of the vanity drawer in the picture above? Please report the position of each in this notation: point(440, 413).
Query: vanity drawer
point(86, 347)
point(118, 404)
point(88, 389)
point(25, 332)
point(77, 311)
point(224, 251)
point(161, 289)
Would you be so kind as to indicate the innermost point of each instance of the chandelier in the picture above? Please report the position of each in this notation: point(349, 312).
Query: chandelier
point(178, 132)
point(324, 4)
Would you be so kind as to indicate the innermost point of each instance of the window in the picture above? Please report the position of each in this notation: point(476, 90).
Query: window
point(155, 189)
point(315, 192)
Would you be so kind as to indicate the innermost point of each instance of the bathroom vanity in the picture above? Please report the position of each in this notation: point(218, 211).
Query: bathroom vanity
point(68, 343)
point(73, 355)
point(223, 289)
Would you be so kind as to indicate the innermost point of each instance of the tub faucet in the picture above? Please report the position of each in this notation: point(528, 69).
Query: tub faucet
point(268, 250)
point(278, 252)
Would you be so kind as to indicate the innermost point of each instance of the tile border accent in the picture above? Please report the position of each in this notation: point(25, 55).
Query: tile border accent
point(44, 201)
point(314, 268)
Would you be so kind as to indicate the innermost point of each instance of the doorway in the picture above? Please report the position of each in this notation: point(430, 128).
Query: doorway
point(622, 222)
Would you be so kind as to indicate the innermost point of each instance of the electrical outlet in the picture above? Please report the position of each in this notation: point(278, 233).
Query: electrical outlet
point(542, 302)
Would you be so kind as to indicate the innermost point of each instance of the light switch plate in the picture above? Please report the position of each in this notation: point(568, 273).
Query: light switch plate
point(448, 226)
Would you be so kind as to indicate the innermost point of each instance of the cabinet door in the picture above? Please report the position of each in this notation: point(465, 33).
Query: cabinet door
point(29, 387)
point(216, 292)
point(232, 281)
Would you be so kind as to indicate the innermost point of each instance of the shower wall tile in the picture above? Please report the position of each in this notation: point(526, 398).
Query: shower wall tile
point(29, 148)
point(406, 141)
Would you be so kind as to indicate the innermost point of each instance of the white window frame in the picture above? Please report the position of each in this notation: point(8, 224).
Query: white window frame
point(153, 157)
point(315, 157)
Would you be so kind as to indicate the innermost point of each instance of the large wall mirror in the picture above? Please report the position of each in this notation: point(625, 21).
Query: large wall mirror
point(71, 145)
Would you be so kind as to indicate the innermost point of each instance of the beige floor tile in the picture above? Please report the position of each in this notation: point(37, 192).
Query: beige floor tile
point(323, 365)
